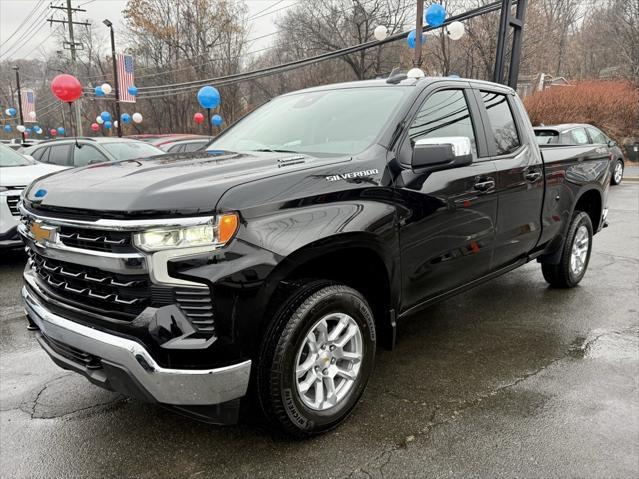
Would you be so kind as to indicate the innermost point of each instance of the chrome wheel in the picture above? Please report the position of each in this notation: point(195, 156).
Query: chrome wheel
point(328, 362)
point(579, 251)
point(618, 174)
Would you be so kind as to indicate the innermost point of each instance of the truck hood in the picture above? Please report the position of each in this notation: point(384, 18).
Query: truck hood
point(24, 175)
point(183, 183)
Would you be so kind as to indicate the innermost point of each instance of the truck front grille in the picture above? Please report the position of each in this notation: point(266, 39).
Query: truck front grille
point(12, 203)
point(126, 295)
point(96, 240)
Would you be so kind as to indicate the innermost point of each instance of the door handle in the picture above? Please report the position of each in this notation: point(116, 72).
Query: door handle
point(485, 184)
point(532, 176)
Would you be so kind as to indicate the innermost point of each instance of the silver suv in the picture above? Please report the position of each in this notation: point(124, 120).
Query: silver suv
point(72, 152)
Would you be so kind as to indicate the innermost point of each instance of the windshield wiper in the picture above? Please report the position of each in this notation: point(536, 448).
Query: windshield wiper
point(271, 150)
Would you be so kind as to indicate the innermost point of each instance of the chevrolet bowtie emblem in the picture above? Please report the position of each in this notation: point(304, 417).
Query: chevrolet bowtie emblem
point(41, 233)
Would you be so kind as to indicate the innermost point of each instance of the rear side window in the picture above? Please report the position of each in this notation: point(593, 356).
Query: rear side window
point(59, 155)
point(597, 136)
point(444, 113)
point(502, 123)
point(577, 136)
point(194, 146)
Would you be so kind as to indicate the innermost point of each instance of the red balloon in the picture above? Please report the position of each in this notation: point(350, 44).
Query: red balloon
point(53, 132)
point(66, 87)
point(95, 126)
point(198, 118)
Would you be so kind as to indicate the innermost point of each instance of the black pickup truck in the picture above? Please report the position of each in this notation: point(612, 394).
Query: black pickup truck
point(270, 266)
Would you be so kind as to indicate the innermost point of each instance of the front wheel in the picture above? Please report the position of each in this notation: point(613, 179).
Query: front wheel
point(617, 173)
point(575, 254)
point(316, 358)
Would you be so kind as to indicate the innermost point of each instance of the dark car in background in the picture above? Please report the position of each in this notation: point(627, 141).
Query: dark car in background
point(75, 152)
point(583, 134)
point(176, 143)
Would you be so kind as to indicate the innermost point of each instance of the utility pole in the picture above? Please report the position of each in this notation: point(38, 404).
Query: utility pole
point(419, 27)
point(17, 69)
point(517, 23)
point(72, 46)
point(115, 77)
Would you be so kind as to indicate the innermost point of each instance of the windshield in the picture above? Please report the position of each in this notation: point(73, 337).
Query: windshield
point(545, 137)
point(9, 157)
point(128, 150)
point(321, 123)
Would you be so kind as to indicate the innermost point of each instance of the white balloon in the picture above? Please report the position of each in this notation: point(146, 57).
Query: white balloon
point(380, 32)
point(32, 114)
point(106, 88)
point(99, 120)
point(137, 117)
point(6, 112)
point(115, 124)
point(456, 30)
point(415, 73)
point(20, 128)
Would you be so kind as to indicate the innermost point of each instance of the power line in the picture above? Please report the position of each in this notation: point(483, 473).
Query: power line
point(36, 21)
point(26, 19)
point(239, 77)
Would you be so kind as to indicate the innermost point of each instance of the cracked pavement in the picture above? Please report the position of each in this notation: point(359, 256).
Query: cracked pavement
point(511, 379)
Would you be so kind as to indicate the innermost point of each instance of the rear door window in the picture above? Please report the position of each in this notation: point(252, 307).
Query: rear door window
point(501, 123)
point(60, 155)
point(578, 136)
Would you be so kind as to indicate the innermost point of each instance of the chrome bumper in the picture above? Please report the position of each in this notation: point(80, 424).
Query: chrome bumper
point(180, 387)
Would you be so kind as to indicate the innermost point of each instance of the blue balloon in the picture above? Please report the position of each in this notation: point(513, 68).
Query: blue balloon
point(38, 130)
point(216, 120)
point(60, 131)
point(208, 97)
point(411, 39)
point(11, 111)
point(108, 124)
point(27, 131)
point(133, 90)
point(106, 116)
point(125, 117)
point(435, 15)
point(99, 91)
point(7, 128)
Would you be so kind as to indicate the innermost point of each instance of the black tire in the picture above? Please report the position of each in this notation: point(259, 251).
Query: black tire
point(561, 275)
point(276, 380)
point(613, 181)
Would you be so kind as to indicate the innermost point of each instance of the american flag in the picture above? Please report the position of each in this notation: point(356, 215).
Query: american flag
point(28, 105)
point(125, 76)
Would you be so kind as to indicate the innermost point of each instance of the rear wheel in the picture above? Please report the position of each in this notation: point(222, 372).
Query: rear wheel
point(575, 255)
point(617, 173)
point(316, 359)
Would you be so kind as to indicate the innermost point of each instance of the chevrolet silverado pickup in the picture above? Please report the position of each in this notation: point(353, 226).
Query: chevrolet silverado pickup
point(266, 269)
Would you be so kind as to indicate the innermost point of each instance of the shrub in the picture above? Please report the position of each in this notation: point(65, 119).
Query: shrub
point(612, 106)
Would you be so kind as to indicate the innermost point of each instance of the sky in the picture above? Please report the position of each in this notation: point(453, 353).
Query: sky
point(32, 14)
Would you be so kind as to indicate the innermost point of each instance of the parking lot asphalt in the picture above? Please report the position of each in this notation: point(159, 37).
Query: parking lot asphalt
point(511, 379)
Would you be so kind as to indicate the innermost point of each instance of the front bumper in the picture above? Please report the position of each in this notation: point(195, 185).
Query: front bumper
point(125, 366)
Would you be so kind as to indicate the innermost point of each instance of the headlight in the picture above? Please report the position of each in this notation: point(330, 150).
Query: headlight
point(217, 233)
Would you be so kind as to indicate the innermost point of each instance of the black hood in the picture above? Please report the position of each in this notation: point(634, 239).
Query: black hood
point(183, 182)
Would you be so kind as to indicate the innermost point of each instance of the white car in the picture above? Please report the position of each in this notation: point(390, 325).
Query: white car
point(16, 173)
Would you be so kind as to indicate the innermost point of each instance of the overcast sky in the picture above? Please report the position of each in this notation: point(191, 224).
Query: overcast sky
point(32, 14)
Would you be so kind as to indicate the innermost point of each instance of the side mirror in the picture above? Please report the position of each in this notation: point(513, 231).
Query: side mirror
point(434, 154)
point(612, 143)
